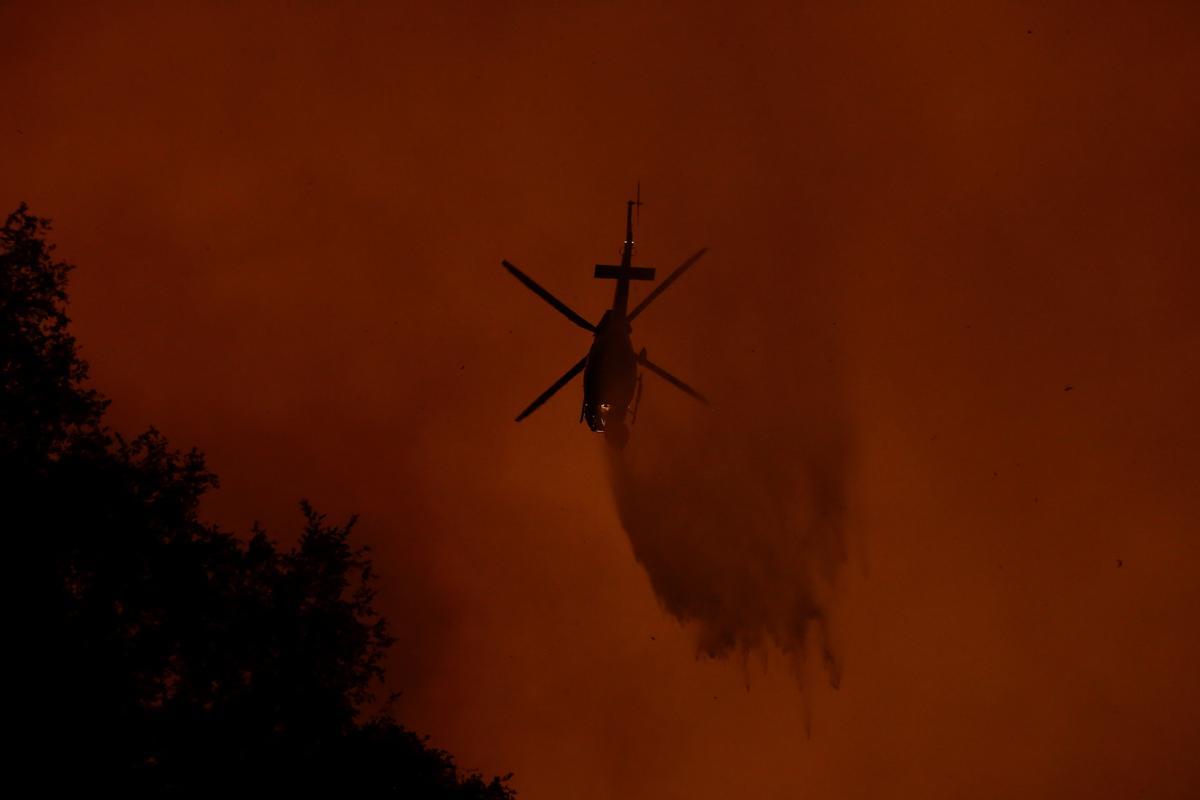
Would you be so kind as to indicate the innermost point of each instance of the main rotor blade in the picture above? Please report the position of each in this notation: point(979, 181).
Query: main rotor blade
point(558, 384)
point(559, 305)
point(662, 287)
point(671, 379)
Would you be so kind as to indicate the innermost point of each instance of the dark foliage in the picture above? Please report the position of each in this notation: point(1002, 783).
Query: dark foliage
point(159, 654)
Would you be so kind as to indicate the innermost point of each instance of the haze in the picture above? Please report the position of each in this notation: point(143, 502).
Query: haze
point(949, 322)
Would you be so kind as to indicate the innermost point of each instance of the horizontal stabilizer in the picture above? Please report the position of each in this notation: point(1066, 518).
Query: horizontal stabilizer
point(628, 273)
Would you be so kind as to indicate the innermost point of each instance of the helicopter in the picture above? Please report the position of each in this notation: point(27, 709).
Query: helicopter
point(612, 384)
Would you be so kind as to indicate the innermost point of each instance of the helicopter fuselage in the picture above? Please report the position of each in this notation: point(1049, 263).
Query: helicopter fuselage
point(610, 377)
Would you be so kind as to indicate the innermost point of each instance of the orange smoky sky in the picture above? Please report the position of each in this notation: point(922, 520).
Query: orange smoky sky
point(950, 322)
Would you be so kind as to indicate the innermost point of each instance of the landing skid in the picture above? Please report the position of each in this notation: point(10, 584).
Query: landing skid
point(637, 401)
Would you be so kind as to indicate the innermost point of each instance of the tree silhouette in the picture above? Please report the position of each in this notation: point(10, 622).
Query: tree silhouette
point(161, 655)
point(43, 400)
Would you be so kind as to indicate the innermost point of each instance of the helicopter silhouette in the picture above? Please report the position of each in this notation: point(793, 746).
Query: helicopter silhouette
point(612, 384)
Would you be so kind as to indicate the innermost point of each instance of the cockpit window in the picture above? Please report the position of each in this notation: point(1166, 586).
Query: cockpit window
point(600, 415)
